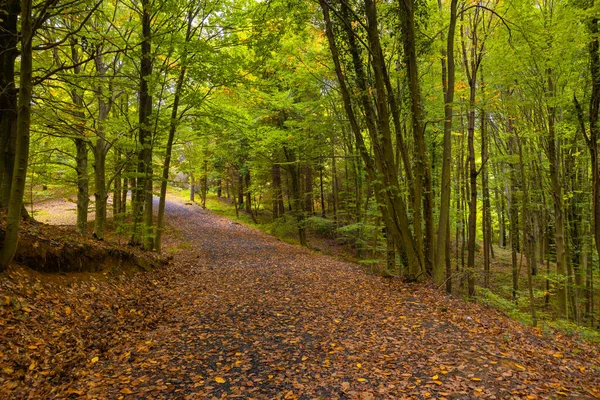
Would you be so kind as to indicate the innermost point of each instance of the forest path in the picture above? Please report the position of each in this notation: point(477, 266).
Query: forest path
point(240, 314)
point(255, 317)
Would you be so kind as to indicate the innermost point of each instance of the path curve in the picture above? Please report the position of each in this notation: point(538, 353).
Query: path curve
point(249, 316)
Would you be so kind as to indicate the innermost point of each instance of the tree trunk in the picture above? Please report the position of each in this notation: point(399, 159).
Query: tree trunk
point(204, 188)
point(308, 194)
point(192, 188)
point(487, 215)
point(8, 96)
point(423, 187)
point(557, 198)
point(472, 224)
point(117, 189)
point(83, 193)
point(168, 151)
point(81, 147)
point(390, 202)
point(323, 212)
point(448, 76)
point(297, 203)
point(101, 148)
point(143, 198)
point(19, 176)
point(278, 207)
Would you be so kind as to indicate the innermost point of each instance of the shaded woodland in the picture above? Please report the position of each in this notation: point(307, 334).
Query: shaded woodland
point(450, 141)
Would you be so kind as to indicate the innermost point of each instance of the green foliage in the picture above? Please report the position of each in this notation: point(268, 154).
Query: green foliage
point(321, 226)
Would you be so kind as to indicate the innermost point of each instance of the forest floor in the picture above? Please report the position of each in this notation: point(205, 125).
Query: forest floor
point(240, 314)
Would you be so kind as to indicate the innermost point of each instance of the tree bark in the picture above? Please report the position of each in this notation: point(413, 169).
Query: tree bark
point(143, 199)
point(557, 198)
point(381, 170)
point(19, 176)
point(171, 137)
point(101, 149)
point(8, 96)
point(297, 203)
point(448, 76)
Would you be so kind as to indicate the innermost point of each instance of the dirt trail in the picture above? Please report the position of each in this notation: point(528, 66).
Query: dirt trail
point(244, 315)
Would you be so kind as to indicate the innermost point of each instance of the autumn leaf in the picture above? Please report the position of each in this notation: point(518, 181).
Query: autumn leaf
point(218, 379)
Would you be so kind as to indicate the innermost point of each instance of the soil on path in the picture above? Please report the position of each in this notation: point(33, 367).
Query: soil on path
point(241, 314)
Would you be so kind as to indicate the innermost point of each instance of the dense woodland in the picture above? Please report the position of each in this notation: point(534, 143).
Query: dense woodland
point(430, 135)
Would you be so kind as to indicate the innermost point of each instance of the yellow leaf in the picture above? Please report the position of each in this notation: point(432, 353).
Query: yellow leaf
point(94, 360)
point(435, 377)
point(126, 391)
point(68, 310)
point(520, 366)
point(361, 380)
point(476, 379)
point(32, 366)
point(582, 368)
point(558, 355)
point(358, 365)
point(8, 370)
point(218, 379)
point(437, 382)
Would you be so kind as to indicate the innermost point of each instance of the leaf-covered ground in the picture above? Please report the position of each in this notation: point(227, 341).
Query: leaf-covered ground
point(239, 314)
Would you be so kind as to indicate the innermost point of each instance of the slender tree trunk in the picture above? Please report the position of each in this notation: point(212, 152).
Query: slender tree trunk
point(101, 148)
point(421, 159)
point(323, 212)
point(448, 76)
point(168, 151)
point(100, 192)
point(240, 189)
point(143, 198)
point(248, 193)
point(472, 222)
point(557, 197)
point(117, 189)
point(204, 192)
point(296, 194)
point(81, 147)
point(487, 215)
point(334, 183)
point(527, 229)
point(278, 206)
point(19, 176)
point(83, 193)
point(8, 96)
point(308, 195)
point(192, 188)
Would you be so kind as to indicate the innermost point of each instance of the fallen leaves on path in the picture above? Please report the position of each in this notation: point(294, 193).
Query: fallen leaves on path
point(240, 314)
